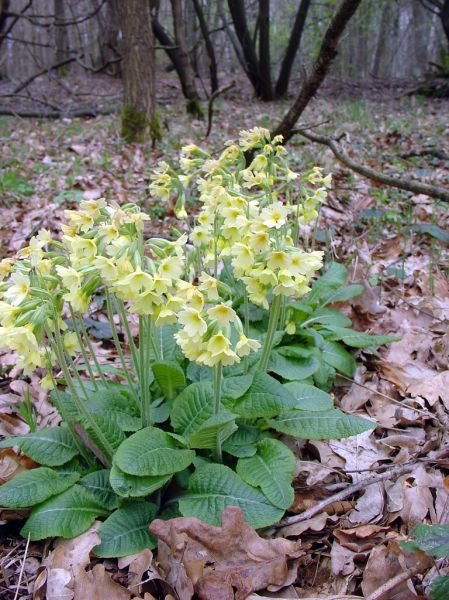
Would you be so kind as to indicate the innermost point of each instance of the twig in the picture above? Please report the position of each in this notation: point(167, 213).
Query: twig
point(389, 585)
point(16, 595)
point(210, 108)
point(351, 489)
point(57, 114)
point(409, 185)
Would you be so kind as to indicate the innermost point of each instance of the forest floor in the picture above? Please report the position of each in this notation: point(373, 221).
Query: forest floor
point(395, 243)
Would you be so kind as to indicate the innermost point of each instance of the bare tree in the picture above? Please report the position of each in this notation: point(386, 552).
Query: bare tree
point(211, 60)
point(139, 106)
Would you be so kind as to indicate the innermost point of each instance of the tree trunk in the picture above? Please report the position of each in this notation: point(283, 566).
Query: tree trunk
point(60, 34)
point(445, 20)
point(292, 48)
point(139, 111)
point(381, 40)
point(266, 89)
point(327, 54)
point(211, 61)
point(237, 10)
point(193, 99)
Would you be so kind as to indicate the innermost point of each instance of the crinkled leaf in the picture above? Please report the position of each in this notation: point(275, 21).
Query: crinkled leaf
point(233, 388)
point(66, 515)
point(334, 278)
point(217, 428)
point(357, 339)
point(98, 484)
point(133, 486)
point(329, 316)
point(346, 293)
point(192, 407)
point(212, 487)
point(126, 531)
point(439, 588)
point(270, 469)
point(169, 376)
point(151, 451)
point(51, 446)
point(35, 486)
point(266, 397)
point(336, 356)
point(242, 442)
point(292, 368)
point(309, 397)
point(115, 406)
point(432, 539)
point(108, 426)
point(323, 425)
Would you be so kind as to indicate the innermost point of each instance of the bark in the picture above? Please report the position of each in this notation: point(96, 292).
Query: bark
point(266, 89)
point(193, 99)
point(238, 14)
point(292, 49)
point(138, 113)
point(60, 32)
point(381, 40)
point(327, 54)
point(445, 20)
point(211, 60)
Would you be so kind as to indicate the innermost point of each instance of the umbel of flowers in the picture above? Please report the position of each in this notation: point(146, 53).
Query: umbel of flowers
point(247, 229)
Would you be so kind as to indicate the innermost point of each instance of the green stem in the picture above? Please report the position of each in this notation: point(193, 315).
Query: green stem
point(59, 350)
point(92, 353)
point(131, 344)
point(117, 344)
point(81, 345)
point(271, 331)
point(144, 352)
point(218, 373)
point(246, 309)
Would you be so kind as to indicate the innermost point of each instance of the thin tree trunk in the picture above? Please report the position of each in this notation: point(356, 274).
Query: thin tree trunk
point(60, 37)
point(138, 113)
point(238, 14)
point(193, 99)
point(327, 54)
point(445, 20)
point(292, 48)
point(211, 60)
point(266, 89)
point(231, 35)
point(381, 40)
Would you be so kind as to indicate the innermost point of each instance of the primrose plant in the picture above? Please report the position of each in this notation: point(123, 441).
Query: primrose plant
point(221, 346)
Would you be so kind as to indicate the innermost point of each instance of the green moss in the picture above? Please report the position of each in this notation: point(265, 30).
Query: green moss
point(194, 109)
point(134, 125)
point(156, 127)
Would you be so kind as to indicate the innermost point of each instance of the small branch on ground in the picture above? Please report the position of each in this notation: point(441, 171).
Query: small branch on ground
point(30, 113)
point(409, 185)
point(210, 107)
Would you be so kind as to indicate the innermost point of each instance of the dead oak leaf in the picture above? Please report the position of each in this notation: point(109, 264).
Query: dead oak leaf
point(218, 559)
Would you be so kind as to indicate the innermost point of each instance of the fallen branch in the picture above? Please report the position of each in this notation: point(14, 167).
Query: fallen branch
point(30, 113)
point(210, 106)
point(391, 584)
point(409, 185)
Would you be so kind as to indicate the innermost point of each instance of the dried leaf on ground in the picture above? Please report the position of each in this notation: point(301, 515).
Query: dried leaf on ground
point(217, 559)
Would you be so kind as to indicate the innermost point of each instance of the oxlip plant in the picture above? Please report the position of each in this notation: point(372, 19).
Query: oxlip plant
point(224, 345)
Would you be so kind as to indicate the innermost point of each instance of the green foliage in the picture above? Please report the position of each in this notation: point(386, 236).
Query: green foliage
point(35, 486)
point(134, 125)
point(50, 446)
point(12, 183)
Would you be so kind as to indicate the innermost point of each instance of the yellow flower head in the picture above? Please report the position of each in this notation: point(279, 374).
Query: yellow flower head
point(19, 290)
point(194, 325)
point(222, 314)
point(246, 345)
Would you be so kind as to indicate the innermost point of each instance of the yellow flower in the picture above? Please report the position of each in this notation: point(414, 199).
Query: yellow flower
point(108, 232)
point(250, 138)
point(245, 345)
point(19, 290)
point(275, 216)
point(69, 276)
point(129, 287)
point(80, 220)
point(71, 343)
point(219, 351)
point(6, 266)
point(145, 303)
point(23, 341)
point(171, 268)
point(199, 237)
point(108, 270)
point(222, 314)
point(259, 163)
point(78, 299)
point(194, 325)
point(209, 285)
point(243, 257)
point(82, 250)
point(46, 382)
point(259, 241)
point(286, 284)
point(93, 207)
point(8, 314)
point(278, 260)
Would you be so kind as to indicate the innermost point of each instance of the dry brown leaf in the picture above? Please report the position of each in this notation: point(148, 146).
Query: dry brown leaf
point(67, 576)
point(219, 559)
point(362, 538)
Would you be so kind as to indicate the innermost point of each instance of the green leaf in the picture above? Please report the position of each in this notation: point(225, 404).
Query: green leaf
point(51, 447)
point(217, 427)
point(336, 356)
point(98, 484)
point(295, 351)
point(292, 368)
point(308, 397)
point(242, 442)
point(346, 293)
point(432, 539)
point(169, 376)
point(334, 278)
point(133, 486)
point(213, 487)
point(67, 515)
point(432, 230)
point(233, 388)
point(35, 486)
point(439, 588)
point(324, 425)
point(151, 451)
point(165, 342)
point(192, 407)
point(115, 406)
point(271, 469)
point(330, 316)
point(266, 397)
point(108, 427)
point(357, 339)
point(126, 531)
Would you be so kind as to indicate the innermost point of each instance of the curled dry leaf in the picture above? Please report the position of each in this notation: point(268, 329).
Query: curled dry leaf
point(217, 559)
point(67, 577)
